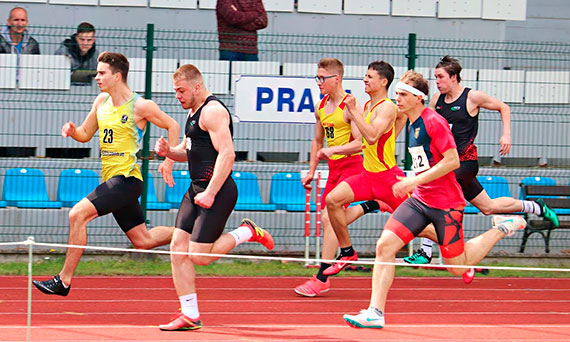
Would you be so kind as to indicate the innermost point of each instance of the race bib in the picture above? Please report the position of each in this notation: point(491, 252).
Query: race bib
point(420, 160)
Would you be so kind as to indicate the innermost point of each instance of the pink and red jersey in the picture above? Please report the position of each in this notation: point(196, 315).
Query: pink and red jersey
point(430, 137)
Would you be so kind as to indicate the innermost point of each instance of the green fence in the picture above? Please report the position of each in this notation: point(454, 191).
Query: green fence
point(37, 96)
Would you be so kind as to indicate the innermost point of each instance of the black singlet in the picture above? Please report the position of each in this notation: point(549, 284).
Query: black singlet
point(463, 126)
point(201, 154)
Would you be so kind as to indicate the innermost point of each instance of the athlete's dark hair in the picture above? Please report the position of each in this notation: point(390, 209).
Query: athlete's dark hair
point(383, 69)
point(451, 66)
point(117, 63)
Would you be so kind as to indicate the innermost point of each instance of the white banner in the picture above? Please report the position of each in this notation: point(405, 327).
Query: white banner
point(284, 98)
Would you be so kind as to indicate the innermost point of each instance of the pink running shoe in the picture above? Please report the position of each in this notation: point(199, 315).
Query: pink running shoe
point(182, 322)
point(259, 234)
point(313, 287)
point(340, 265)
point(468, 276)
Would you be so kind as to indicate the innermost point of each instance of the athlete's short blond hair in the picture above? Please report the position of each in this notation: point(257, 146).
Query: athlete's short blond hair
point(189, 73)
point(416, 80)
point(332, 65)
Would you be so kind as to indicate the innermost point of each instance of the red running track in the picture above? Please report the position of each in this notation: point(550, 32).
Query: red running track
point(267, 309)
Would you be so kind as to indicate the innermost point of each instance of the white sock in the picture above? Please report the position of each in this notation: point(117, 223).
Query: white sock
point(241, 234)
point(189, 305)
point(427, 246)
point(531, 207)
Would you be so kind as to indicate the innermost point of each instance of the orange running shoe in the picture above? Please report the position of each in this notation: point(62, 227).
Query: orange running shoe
point(313, 287)
point(259, 234)
point(182, 322)
point(340, 265)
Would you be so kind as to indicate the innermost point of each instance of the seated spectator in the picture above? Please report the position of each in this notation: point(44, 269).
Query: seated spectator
point(80, 48)
point(14, 36)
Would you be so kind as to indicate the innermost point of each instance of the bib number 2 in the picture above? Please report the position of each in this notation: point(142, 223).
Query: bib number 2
point(420, 161)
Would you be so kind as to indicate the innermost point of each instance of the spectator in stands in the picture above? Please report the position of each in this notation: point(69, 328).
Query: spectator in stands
point(14, 36)
point(238, 22)
point(80, 48)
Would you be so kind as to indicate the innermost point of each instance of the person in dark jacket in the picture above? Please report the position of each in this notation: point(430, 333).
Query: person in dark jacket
point(238, 22)
point(14, 36)
point(80, 48)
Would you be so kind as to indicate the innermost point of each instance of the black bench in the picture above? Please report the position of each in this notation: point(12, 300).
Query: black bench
point(559, 200)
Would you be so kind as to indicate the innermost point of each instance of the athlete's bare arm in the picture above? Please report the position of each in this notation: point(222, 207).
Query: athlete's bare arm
point(87, 130)
point(433, 100)
point(147, 110)
point(177, 153)
point(381, 121)
point(316, 145)
point(216, 121)
point(400, 123)
point(478, 99)
point(407, 185)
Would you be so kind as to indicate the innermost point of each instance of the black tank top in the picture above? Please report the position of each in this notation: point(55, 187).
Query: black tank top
point(463, 126)
point(201, 152)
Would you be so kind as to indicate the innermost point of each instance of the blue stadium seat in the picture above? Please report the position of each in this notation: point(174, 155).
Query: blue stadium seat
point(495, 186)
point(535, 181)
point(249, 196)
point(174, 195)
point(287, 192)
point(3, 204)
point(75, 184)
point(152, 202)
point(26, 188)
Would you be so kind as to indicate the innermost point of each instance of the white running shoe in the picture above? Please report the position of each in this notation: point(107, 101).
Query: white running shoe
point(512, 223)
point(365, 319)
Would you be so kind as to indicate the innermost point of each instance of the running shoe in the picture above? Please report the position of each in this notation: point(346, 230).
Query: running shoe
point(468, 276)
point(182, 322)
point(340, 265)
point(548, 213)
point(510, 223)
point(313, 287)
point(52, 286)
point(418, 258)
point(259, 234)
point(365, 319)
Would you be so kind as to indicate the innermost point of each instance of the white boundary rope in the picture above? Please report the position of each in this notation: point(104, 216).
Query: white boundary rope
point(31, 242)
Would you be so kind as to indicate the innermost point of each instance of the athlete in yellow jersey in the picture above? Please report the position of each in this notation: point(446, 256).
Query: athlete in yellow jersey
point(119, 138)
point(379, 124)
point(121, 117)
point(334, 124)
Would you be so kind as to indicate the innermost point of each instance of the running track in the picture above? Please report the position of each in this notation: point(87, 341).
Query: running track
point(266, 309)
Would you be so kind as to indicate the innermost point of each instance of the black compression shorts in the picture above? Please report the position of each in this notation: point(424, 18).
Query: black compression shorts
point(120, 196)
point(206, 225)
point(412, 216)
point(466, 176)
